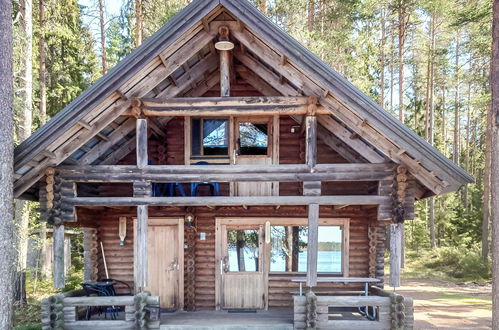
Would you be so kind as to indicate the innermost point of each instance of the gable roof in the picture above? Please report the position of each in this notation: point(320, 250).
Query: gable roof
point(347, 103)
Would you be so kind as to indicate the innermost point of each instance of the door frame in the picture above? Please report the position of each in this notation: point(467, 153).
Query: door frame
point(168, 221)
point(220, 241)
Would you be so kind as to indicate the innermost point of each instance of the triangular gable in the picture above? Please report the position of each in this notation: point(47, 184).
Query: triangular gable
point(351, 110)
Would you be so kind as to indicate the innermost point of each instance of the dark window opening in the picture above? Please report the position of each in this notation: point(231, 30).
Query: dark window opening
point(253, 138)
point(210, 137)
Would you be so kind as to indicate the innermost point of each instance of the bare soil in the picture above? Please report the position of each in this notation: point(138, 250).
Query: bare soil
point(446, 305)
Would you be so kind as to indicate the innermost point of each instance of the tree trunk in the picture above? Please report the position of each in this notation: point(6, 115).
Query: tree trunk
point(403, 20)
point(263, 6)
point(102, 36)
point(138, 23)
point(288, 234)
point(42, 73)
point(42, 112)
point(382, 59)
point(21, 212)
point(486, 188)
point(311, 15)
point(455, 154)
point(6, 161)
point(494, 128)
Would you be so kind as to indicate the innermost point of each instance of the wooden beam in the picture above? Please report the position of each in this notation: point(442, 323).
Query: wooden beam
point(212, 106)
point(229, 173)
point(344, 135)
point(123, 130)
point(225, 73)
point(258, 83)
point(228, 200)
point(58, 250)
point(141, 138)
point(311, 140)
point(312, 247)
point(395, 253)
point(339, 146)
point(141, 252)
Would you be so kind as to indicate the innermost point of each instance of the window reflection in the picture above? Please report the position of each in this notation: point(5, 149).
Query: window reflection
point(253, 138)
point(243, 250)
point(289, 249)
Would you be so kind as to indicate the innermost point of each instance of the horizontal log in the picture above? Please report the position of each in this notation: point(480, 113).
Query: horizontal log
point(226, 106)
point(105, 301)
point(100, 324)
point(229, 173)
point(227, 201)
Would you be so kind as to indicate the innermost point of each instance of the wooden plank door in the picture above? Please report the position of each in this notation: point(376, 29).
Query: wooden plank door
point(242, 277)
point(165, 266)
point(254, 144)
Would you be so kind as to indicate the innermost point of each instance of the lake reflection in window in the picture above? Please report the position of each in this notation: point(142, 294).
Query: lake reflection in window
point(243, 250)
point(289, 249)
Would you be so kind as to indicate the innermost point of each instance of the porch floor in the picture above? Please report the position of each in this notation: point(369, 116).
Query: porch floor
point(278, 319)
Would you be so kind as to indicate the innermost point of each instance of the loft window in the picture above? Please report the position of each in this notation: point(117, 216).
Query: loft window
point(253, 138)
point(288, 251)
point(210, 137)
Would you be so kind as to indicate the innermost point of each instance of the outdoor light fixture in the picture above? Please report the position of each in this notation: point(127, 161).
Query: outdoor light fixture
point(122, 230)
point(223, 42)
point(189, 219)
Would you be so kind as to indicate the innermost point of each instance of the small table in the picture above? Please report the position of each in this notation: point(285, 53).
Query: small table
point(365, 280)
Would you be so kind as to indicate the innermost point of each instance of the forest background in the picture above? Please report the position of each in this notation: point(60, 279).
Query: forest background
point(425, 61)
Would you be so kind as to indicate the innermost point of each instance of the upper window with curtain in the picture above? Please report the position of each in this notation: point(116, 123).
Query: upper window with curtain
point(210, 137)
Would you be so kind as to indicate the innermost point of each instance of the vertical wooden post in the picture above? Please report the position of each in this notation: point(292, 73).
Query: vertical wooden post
point(58, 246)
point(225, 73)
point(313, 235)
point(311, 140)
point(141, 133)
point(141, 251)
point(395, 253)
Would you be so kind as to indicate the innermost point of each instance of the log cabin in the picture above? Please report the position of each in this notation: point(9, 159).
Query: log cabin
point(221, 166)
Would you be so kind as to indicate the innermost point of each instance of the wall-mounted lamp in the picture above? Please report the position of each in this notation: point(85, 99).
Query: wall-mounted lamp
point(294, 129)
point(122, 230)
point(189, 219)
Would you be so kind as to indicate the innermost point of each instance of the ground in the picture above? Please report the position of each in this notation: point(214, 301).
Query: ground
point(446, 305)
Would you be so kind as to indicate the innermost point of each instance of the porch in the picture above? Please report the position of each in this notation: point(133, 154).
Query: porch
point(384, 311)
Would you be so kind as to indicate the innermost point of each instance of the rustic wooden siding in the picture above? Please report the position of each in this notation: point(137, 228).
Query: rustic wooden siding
point(120, 258)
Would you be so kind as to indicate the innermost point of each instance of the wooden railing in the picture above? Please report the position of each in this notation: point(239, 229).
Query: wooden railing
point(392, 312)
point(61, 312)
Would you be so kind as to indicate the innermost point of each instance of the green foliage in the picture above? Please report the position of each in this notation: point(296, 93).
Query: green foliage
point(460, 263)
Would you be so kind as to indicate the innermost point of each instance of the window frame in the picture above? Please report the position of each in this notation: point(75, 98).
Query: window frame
point(189, 135)
point(280, 221)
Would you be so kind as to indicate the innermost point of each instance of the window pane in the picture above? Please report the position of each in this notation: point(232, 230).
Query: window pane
point(243, 251)
point(329, 254)
point(253, 139)
point(288, 251)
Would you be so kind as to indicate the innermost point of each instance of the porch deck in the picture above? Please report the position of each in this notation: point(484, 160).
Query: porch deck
point(278, 319)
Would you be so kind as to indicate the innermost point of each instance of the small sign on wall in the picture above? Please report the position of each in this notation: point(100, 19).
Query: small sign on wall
point(202, 236)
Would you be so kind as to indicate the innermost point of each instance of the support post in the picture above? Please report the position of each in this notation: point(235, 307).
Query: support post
point(141, 251)
point(395, 253)
point(58, 246)
point(141, 136)
point(313, 235)
point(224, 73)
point(311, 140)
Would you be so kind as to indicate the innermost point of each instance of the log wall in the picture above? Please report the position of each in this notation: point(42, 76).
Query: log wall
point(120, 258)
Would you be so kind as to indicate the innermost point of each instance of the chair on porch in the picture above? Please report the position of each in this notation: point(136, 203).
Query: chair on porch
point(214, 186)
point(103, 289)
point(160, 189)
